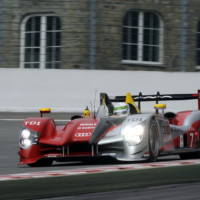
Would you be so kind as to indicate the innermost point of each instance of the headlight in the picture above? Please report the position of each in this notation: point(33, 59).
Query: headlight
point(25, 143)
point(133, 134)
point(27, 138)
point(25, 133)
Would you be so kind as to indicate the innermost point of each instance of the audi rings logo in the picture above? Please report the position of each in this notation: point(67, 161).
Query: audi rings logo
point(83, 134)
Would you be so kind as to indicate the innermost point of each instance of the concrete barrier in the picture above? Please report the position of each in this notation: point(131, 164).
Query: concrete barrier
point(72, 90)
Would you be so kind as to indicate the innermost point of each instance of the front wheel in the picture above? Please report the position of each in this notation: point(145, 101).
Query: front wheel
point(153, 140)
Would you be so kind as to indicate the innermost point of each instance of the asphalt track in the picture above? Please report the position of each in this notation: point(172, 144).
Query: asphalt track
point(10, 125)
point(169, 192)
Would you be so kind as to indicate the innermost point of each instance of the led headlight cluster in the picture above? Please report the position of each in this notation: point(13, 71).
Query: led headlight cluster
point(27, 138)
point(133, 134)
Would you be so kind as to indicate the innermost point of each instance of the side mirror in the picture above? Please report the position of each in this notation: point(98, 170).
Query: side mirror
point(160, 107)
point(44, 110)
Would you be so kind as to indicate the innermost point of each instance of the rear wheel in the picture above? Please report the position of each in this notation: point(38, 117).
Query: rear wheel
point(154, 140)
point(186, 156)
point(42, 163)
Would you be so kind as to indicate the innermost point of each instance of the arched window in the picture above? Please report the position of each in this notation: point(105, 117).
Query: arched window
point(198, 46)
point(142, 38)
point(41, 42)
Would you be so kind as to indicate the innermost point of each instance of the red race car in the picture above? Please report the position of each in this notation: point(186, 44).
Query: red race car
point(117, 130)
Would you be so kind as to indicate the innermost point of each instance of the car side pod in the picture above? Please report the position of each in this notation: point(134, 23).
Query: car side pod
point(160, 106)
point(44, 110)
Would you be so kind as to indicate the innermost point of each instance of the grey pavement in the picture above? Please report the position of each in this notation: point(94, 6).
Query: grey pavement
point(189, 191)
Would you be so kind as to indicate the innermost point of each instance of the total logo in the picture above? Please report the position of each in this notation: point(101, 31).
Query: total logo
point(83, 134)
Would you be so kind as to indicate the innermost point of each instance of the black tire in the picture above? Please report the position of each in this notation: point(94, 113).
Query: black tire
point(185, 156)
point(42, 163)
point(153, 140)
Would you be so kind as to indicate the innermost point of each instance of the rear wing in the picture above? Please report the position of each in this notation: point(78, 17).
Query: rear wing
point(157, 97)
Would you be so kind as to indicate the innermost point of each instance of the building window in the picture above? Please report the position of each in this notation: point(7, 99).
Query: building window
point(198, 46)
point(41, 42)
point(142, 38)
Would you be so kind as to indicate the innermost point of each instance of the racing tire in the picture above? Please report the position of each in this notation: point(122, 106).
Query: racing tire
point(185, 156)
point(153, 140)
point(193, 155)
point(41, 163)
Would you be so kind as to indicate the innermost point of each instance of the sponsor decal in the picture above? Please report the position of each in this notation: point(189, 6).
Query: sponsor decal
point(135, 119)
point(53, 156)
point(153, 97)
point(83, 134)
point(32, 123)
point(89, 124)
point(83, 128)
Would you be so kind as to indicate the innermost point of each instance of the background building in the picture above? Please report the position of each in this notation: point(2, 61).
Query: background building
point(100, 34)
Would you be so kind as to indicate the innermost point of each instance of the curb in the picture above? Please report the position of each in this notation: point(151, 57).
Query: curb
point(93, 170)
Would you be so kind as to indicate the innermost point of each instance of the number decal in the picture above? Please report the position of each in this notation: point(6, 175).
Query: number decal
point(192, 139)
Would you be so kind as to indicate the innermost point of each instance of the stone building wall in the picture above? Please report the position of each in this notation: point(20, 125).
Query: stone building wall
point(75, 18)
point(110, 32)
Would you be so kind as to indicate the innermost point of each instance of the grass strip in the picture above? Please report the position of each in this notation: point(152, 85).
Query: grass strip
point(100, 182)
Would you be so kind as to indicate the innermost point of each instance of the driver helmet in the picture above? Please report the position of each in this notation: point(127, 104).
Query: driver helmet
point(121, 109)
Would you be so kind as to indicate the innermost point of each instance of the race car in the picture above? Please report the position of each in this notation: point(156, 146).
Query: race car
point(118, 130)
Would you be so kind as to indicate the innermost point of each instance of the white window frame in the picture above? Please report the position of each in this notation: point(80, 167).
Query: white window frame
point(141, 42)
point(43, 30)
point(197, 49)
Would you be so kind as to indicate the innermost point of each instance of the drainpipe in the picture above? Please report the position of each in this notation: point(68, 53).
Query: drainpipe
point(1, 32)
point(183, 35)
point(92, 35)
